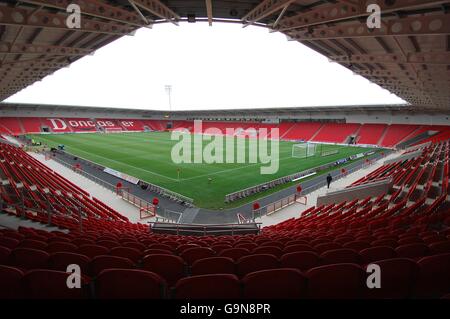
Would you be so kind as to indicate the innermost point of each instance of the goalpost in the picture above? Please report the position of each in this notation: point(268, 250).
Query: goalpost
point(303, 150)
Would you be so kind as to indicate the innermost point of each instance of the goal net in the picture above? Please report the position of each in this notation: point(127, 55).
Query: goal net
point(303, 150)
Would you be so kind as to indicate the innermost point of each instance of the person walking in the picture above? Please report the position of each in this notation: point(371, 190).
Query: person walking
point(329, 179)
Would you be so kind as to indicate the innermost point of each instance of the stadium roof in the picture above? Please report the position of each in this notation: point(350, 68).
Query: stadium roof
point(28, 108)
point(409, 55)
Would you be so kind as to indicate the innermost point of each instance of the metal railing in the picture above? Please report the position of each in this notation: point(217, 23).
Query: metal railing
point(292, 198)
point(204, 230)
point(125, 195)
point(174, 196)
point(284, 179)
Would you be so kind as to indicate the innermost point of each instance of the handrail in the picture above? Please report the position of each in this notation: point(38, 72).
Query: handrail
point(291, 199)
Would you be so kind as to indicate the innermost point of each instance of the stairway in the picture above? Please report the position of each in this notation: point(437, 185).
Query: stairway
point(317, 132)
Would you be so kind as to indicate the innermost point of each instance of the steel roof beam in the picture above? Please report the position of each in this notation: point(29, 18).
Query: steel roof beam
point(158, 9)
point(265, 9)
point(94, 8)
point(10, 48)
point(411, 58)
point(21, 17)
point(437, 24)
point(345, 11)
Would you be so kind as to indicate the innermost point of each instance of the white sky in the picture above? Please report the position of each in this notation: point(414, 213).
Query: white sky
point(223, 66)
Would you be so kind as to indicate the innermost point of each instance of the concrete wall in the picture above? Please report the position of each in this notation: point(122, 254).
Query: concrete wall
point(358, 192)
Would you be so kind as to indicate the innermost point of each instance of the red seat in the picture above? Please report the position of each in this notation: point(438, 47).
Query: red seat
point(246, 245)
point(409, 240)
point(100, 263)
point(343, 255)
point(34, 244)
point(61, 260)
point(134, 245)
point(160, 246)
point(441, 247)
point(213, 265)
point(270, 250)
point(433, 239)
point(56, 247)
point(412, 250)
point(169, 267)
point(434, 276)
point(326, 246)
point(4, 255)
point(181, 248)
point(50, 284)
point(157, 251)
point(191, 255)
point(91, 250)
point(58, 239)
point(377, 253)
point(82, 241)
point(251, 263)
point(272, 243)
point(129, 284)
point(356, 245)
point(10, 279)
point(397, 278)
point(234, 253)
point(275, 284)
point(127, 252)
point(220, 247)
point(14, 235)
point(110, 244)
point(302, 260)
point(297, 247)
point(217, 286)
point(28, 258)
point(10, 243)
point(337, 281)
point(384, 242)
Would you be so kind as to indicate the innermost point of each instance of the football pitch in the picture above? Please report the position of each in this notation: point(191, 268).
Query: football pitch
point(147, 156)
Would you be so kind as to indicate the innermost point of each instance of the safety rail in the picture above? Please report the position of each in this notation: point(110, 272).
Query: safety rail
point(205, 229)
point(292, 198)
point(164, 192)
point(370, 155)
point(123, 193)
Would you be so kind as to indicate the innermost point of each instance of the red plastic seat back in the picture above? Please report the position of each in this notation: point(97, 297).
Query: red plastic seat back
point(284, 283)
point(10, 279)
point(100, 263)
point(251, 263)
point(217, 286)
point(129, 284)
point(50, 284)
point(213, 265)
point(434, 276)
point(398, 276)
point(338, 281)
point(169, 267)
point(373, 254)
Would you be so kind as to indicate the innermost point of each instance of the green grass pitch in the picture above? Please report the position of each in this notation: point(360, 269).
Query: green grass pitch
point(147, 156)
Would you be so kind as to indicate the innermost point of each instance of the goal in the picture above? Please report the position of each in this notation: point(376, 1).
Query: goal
point(303, 150)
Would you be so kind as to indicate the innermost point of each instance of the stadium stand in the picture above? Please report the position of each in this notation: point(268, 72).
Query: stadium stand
point(335, 132)
point(396, 133)
point(371, 133)
point(324, 250)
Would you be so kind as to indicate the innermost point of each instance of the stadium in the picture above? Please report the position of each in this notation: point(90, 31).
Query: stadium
point(317, 202)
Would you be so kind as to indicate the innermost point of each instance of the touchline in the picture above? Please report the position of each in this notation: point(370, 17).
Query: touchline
point(222, 147)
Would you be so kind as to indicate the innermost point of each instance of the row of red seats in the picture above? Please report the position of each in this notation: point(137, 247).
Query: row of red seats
point(400, 278)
